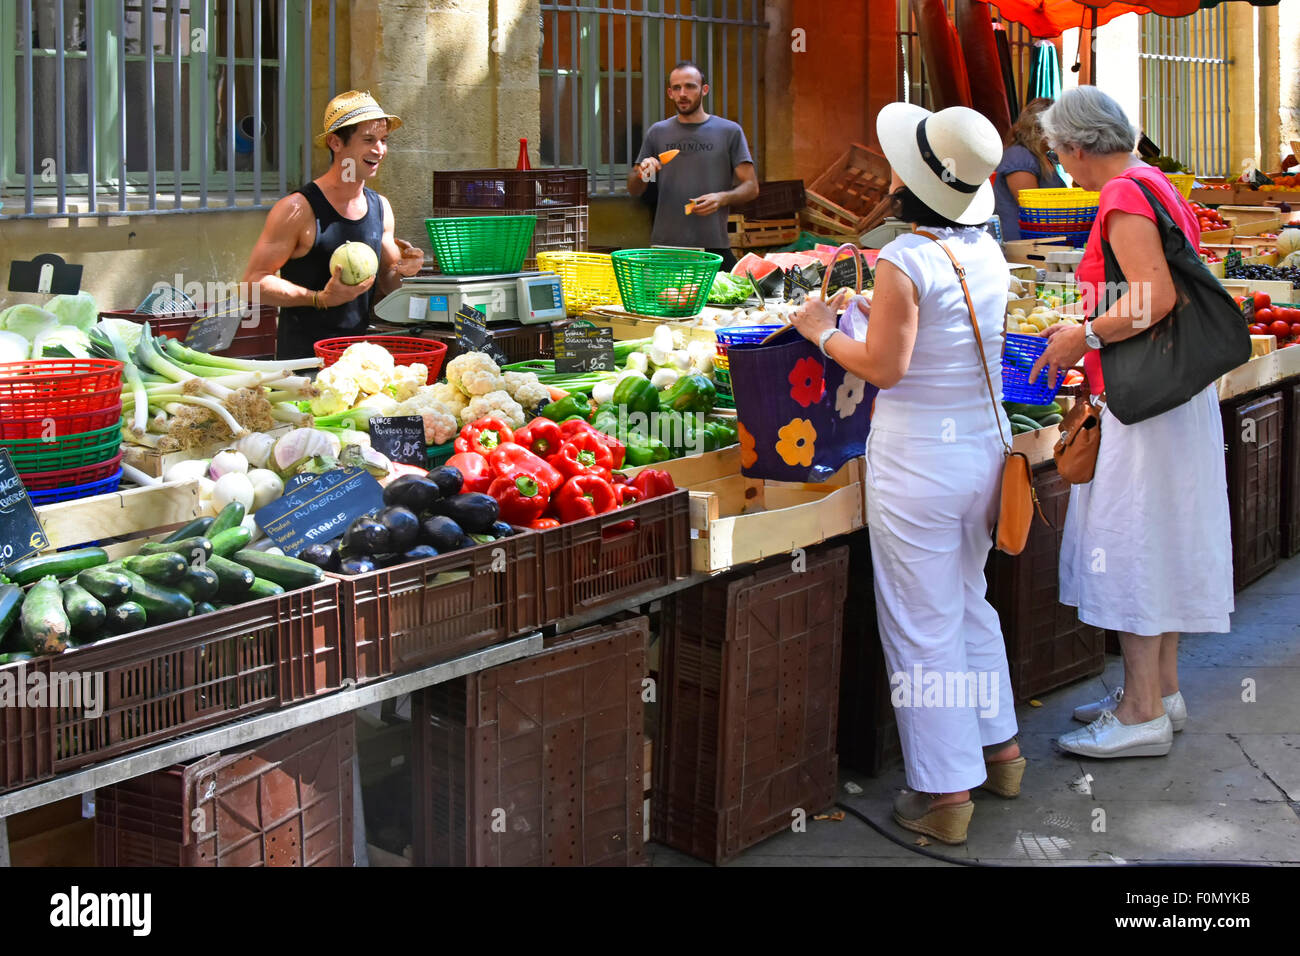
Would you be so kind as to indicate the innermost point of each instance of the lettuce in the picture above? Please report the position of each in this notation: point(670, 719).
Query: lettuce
point(29, 321)
point(75, 310)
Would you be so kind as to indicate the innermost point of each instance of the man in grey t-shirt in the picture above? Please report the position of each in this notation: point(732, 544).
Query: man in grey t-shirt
point(711, 171)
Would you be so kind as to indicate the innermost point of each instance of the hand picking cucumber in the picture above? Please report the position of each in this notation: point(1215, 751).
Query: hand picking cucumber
point(230, 517)
point(289, 573)
point(231, 540)
point(161, 604)
point(235, 578)
point(127, 616)
point(195, 550)
point(200, 584)
point(85, 612)
point(45, 624)
point(60, 564)
point(165, 568)
point(199, 526)
point(108, 586)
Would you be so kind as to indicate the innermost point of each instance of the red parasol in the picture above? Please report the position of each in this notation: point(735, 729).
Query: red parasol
point(1046, 19)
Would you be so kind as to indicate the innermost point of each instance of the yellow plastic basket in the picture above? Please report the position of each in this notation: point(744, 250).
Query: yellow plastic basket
point(1183, 182)
point(587, 278)
point(1058, 199)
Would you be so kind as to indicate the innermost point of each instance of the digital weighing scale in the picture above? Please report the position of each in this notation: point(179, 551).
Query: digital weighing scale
point(527, 297)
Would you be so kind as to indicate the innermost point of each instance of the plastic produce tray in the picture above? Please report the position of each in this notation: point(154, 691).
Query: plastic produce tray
point(1252, 429)
point(1291, 472)
point(525, 190)
point(255, 339)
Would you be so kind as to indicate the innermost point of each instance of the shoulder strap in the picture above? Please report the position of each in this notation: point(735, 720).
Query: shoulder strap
point(979, 342)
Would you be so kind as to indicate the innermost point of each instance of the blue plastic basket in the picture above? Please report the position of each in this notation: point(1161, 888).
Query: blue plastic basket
point(1058, 217)
point(749, 335)
point(1018, 357)
point(72, 492)
point(1076, 238)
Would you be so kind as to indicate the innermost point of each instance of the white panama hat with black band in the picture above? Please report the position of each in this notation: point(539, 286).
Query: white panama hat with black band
point(944, 158)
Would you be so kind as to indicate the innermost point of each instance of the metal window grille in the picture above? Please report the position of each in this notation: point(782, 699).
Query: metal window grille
point(604, 65)
point(111, 107)
point(1185, 89)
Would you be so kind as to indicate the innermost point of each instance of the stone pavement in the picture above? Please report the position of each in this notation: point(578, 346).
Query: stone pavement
point(1228, 792)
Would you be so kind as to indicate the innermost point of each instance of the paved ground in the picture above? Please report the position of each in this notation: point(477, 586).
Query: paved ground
point(1229, 791)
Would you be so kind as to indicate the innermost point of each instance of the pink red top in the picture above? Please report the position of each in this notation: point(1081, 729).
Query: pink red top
point(1124, 195)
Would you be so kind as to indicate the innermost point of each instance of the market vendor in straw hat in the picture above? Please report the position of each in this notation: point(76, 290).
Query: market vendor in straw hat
point(291, 260)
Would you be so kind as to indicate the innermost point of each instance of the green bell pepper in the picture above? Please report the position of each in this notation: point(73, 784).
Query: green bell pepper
point(573, 404)
point(606, 420)
point(723, 434)
point(690, 393)
point(670, 428)
point(644, 451)
point(637, 394)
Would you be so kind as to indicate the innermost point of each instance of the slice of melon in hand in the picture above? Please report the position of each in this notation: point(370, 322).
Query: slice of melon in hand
point(668, 155)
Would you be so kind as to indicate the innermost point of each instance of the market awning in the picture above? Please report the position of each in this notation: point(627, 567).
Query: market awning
point(1050, 18)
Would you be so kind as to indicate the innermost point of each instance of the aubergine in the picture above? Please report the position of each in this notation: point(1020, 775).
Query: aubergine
point(358, 565)
point(473, 511)
point(393, 491)
point(501, 530)
point(365, 536)
point(441, 532)
point(466, 541)
point(413, 492)
point(421, 552)
point(448, 478)
point(320, 555)
point(403, 527)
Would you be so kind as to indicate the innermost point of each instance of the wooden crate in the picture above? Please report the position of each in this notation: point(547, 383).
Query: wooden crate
point(1245, 215)
point(851, 187)
point(628, 325)
point(1218, 236)
point(1033, 252)
point(1276, 289)
point(1262, 345)
point(1255, 226)
point(1259, 373)
point(121, 520)
point(154, 463)
point(828, 226)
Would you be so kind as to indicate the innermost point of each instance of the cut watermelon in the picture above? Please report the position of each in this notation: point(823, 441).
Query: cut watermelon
point(752, 263)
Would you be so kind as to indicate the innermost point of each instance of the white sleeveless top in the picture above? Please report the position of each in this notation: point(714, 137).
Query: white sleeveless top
point(943, 394)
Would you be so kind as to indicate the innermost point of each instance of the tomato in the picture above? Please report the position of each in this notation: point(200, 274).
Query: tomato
point(1295, 329)
point(1262, 301)
point(1258, 329)
point(1280, 329)
point(1265, 316)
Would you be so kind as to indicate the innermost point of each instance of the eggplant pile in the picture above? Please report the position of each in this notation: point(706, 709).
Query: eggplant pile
point(422, 517)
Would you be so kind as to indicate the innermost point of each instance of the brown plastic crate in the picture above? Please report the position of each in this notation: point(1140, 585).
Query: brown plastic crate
point(851, 188)
point(517, 190)
point(776, 199)
point(1254, 483)
point(285, 802)
point(26, 733)
point(256, 341)
point(1047, 645)
point(426, 612)
point(750, 685)
point(590, 563)
point(538, 762)
point(518, 343)
point(1290, 539)
point(558, 229)
point(173, 679)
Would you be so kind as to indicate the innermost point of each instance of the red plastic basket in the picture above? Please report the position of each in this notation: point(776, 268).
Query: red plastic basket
point(47, 406)
point(57, 378)
point(50, 480)
point(405, 349)
point(73, 423)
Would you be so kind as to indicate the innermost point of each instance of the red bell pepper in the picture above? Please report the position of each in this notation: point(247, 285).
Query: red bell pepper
point(541, 436)
point(651, 482)
point(616, 449)
point(511, 461)
point(543, 524)
point(575, 426)
point(626, 495)
point(584, 496)
point(483, 435)
point(520, 500)
point(583, 455)
point(474, 468)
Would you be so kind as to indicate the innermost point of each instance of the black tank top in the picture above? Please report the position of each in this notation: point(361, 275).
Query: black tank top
point(299, 327)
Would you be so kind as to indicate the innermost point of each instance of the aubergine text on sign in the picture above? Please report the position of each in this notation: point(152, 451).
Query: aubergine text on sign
point(21, 534)
point(320, 510)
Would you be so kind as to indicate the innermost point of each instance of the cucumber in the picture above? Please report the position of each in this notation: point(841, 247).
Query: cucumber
point(1019, 429)
point(231, 540)
point(60, 564)
point(11, 603)
point(235, 579)
point(195, 550)
point(200, 584)
point(203, 607)
point(108, 586)
point(46, 628)
point(1027, 423)
point(289, 573)
point(262, 589)
point(199, 526)
point(85, 612)
point(1031, 411)
point(165, 568)
point(127, 616)
point(1050, 420)
point(161, 604)
point(230, 517)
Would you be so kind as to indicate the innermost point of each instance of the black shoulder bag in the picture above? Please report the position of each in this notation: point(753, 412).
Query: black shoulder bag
point(1203, 337)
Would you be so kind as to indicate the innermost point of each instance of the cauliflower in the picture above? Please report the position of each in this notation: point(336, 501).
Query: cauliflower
point(525, 389)
point(337, 389)
point(371, 364)
point(496, 403)
point(381, 403)
point(405, 379)
point(440, 424)
point(475, 374)
point(453, 398)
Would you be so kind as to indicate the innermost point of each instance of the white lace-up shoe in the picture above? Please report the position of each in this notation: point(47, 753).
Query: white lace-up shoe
point(1107, 737)
point(1175, 707)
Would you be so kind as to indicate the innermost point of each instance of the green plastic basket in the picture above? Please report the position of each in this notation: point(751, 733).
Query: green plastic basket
point(481, 245)
point(72, 451)
point(651, 280)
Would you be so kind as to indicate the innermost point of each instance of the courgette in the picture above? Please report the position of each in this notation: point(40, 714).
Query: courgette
point(11, 603)
point(289, 573)
point(263, 588)
point(165, 568)
point(199, 526)
point(230, 517)
point(231, 540)
point(200, 584)
point(60, 564)
point(127, 616)
point(45, 624)
point(161, 604)
point(203, 607)
point(85, 612)
point(1017, 429)
point(1028, 423)
point(107, 585)
point(195, 550)
point(1050, 420)
point(1031, 411)
point(235, 579)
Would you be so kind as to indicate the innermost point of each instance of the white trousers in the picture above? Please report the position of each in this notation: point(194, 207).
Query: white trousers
point(930, 507)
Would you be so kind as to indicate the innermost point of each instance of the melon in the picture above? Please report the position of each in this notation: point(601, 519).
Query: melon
point(357, 260)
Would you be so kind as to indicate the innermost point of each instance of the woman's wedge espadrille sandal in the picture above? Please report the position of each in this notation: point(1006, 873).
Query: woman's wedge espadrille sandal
point(947, 824)
point(1004, 777)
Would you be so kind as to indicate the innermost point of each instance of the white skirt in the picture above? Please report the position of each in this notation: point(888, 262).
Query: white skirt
point(1147, 546)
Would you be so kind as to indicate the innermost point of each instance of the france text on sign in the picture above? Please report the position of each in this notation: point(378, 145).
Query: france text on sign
point(320, 510)
point(473, 336)
point(400, 437)
point(21, 534)
point(582, 347)
point(216, 332)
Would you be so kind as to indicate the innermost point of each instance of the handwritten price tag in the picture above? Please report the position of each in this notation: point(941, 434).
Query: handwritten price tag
point(400, 437)
point(21, 534)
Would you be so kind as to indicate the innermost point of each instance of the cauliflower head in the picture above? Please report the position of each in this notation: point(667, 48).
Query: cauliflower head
point(498, 403)
point(337, 390)
point(448, 395)
point(405, 379)
point(372, 365)
point(525, 389)
point(440, 425)
point(475, 374)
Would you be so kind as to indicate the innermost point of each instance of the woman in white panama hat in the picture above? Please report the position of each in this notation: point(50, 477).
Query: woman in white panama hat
point(934, 461)
point(304, 228)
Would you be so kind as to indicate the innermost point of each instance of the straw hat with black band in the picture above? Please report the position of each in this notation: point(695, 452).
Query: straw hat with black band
point(350, 108)
point(944, 158)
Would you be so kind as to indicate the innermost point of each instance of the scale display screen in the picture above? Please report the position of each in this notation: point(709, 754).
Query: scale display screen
point(544, 297)
point(540, 297)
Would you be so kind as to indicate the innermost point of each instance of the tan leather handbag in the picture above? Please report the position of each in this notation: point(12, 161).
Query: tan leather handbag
point(1076, 449)
point(1018, 498)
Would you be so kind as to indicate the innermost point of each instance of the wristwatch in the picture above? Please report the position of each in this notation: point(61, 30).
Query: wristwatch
point(1091, 337)
point(824, 338)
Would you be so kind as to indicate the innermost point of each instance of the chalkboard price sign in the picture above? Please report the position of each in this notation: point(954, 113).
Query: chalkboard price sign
point(216, 332)
point(320, 510)
point(21, 534)
point(582, 347)
point(400, 437)
point(472, 334)
point(844, 275)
